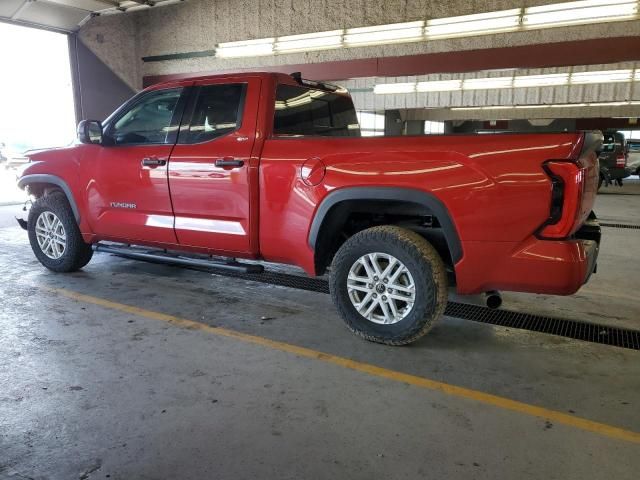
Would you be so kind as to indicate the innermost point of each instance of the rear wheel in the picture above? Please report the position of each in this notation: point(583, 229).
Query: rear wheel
point(389, 285)
point(54, 235)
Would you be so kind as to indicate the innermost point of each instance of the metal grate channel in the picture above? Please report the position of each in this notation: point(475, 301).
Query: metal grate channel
point(620, 225)
point(588, 332)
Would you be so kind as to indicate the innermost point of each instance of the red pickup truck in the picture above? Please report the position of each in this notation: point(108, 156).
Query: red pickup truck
point(272, 167)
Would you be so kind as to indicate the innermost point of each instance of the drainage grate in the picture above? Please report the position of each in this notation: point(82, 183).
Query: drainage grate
point(620, 225)
point(588, 332)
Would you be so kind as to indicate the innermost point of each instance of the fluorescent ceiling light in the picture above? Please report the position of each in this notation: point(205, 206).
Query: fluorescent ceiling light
point(487, 82)
point(608, 104)
point(246, 48)
point(309, 41)
point(439, 86)
point(385, 88)
point(392, 33)
point(587, 11)
point(554, 105)
point(518, 81)
point(605, 76)
point(541, 80)
point(565, 105)
point(478, 24)
point(135, 7)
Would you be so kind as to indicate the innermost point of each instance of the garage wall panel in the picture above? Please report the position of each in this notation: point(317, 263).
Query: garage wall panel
point(115, 39)
point(198, 25)
point(98, 91)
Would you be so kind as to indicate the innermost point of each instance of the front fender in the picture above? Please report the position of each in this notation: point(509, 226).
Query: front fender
point(54, 180)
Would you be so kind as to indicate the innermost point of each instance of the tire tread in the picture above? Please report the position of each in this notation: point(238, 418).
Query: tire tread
point(414, 244)
point(77, 253)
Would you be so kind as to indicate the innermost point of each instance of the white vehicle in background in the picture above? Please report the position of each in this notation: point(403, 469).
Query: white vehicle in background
point(12, 157)
point(633, 156)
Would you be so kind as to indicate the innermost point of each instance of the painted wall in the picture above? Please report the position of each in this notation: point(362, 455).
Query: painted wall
point(196, 25)
point(98, 91)
point(114, 40)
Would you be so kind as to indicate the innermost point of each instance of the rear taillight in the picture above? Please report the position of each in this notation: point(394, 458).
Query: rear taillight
point(621, 160)
point(567, 189)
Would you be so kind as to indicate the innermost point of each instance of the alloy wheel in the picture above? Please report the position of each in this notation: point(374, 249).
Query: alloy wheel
point(381, 288)
point(51, 236)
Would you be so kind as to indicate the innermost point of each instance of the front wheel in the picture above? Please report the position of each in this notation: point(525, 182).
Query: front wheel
point(54, 235)
point(389, 285)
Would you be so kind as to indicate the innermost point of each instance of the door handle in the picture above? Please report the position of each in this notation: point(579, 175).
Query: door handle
point(229, 162)
point(153, 162)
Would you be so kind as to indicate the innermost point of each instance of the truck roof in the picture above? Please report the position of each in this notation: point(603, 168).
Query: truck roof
point(281, 77)
point(277, 77)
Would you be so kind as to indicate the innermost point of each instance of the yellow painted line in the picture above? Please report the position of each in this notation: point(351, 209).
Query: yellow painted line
point(453, 390)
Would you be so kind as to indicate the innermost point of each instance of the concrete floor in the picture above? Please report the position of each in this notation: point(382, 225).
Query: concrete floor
point(94, 391)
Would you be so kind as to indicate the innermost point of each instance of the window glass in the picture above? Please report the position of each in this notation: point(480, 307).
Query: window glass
point(304, 111)
point(371, 123)
point(147, 121)
point(217, 112)
point(433, 127)
point(613, 141)
point(631, 134)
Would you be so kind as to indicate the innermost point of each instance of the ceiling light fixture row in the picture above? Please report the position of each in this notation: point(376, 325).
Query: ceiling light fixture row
point(514, 81)
point(554, 105)
point(529, 18)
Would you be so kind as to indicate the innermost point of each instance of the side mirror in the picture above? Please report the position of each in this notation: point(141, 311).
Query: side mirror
point(90, 131)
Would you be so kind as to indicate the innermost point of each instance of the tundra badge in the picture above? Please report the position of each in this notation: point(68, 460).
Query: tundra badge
point(123, 205)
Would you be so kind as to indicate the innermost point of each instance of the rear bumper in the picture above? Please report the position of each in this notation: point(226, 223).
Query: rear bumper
point(535, 266)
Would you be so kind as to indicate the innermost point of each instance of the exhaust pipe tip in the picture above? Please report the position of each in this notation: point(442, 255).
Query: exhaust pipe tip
point(493, 299)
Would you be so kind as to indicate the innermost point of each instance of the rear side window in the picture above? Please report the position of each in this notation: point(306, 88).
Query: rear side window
point(304, 111)
point(217, 112)
point(613, 142)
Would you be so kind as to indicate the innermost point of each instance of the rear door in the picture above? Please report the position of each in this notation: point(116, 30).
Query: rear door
point(211, 171)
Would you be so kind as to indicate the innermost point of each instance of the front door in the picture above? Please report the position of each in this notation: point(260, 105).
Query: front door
point(127, 185)
point(211, 170)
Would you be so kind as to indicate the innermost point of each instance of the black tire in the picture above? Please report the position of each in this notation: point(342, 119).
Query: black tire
point(423, 262)
point(76, 253)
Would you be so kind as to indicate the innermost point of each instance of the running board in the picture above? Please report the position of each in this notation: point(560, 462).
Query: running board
point(163, 256)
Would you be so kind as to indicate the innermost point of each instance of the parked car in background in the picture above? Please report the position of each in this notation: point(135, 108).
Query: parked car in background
point(15, 159)
point(633, 156)
point(613, 160)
